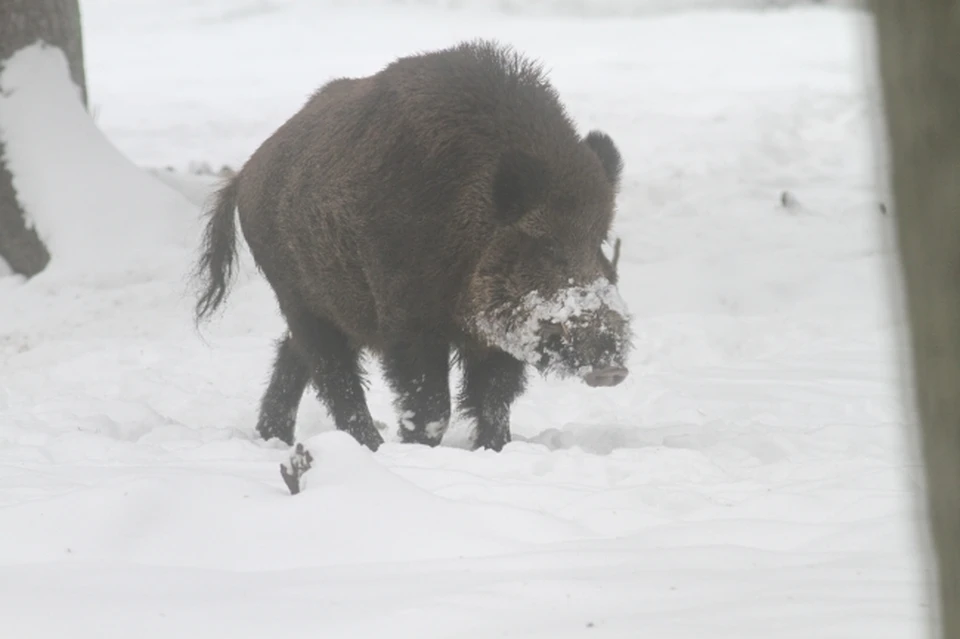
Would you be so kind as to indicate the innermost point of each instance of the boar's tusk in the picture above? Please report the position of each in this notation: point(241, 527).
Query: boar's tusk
point(616, 255)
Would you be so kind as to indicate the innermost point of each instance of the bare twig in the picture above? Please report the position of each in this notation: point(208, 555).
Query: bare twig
point(300, 462)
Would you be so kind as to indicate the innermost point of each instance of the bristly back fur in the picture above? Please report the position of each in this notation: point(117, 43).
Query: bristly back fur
point(218, 255)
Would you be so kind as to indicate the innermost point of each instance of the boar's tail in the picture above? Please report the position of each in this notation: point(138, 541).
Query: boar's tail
point(218, 256)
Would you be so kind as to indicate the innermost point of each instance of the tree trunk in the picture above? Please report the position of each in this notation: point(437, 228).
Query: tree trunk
point(919, 63)
point(23, 23)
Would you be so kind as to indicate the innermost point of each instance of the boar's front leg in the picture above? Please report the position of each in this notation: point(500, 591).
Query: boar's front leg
point(418, 373)
point(491, 382)
point(334, 365)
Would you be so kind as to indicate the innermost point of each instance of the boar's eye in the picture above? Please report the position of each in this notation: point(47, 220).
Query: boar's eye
point(519, 185)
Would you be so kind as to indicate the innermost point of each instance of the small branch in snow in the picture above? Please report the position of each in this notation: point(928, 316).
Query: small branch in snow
point(300, 462)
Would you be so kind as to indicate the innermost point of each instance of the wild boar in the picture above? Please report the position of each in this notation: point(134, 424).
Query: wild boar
point(443, 210)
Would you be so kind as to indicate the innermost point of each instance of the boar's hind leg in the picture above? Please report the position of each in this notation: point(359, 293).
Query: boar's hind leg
point(278, 408)
point(334, 366)
point(491, 382)
point(419, 376)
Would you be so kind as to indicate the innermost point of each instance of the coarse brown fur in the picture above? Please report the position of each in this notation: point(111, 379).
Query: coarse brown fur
point(393, 211)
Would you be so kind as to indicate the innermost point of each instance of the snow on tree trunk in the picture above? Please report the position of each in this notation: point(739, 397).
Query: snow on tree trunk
point(23, 23)
point(919, 63)
point(95, 210)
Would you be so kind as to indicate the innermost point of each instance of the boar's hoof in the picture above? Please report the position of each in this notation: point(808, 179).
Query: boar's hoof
point(419, 437)
point(609, 376)
point(368, 436)
point(492, 441)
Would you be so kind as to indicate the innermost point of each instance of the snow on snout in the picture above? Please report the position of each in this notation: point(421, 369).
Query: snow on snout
point(520, 334)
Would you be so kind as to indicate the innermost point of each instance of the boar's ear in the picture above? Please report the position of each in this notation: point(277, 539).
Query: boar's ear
point(519, 185)
point(602, 144)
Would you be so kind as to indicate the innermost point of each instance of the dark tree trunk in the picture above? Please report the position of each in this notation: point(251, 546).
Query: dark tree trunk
point(22, 23)
point(919, 63)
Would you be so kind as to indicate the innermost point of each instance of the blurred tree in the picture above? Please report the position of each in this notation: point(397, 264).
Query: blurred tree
point(919, 63)
point(23, 23)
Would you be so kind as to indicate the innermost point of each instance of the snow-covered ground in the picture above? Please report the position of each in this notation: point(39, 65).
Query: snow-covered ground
point(752, 478)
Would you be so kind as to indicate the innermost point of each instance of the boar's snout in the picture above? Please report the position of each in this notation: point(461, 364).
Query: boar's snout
point(579, 331)
point(609, 376)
